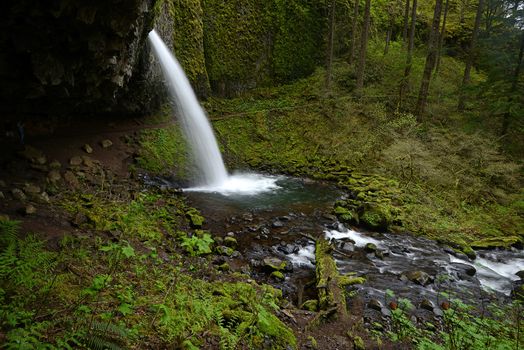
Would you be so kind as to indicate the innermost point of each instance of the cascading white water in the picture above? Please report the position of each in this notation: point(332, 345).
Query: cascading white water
point(196, 127)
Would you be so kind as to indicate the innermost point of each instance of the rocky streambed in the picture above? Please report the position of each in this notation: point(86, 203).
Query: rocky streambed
point(271, 235)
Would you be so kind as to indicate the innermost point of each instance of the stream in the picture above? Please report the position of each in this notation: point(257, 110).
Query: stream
point(277, 221)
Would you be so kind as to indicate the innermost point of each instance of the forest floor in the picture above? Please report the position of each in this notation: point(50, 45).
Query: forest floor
point(105, 259)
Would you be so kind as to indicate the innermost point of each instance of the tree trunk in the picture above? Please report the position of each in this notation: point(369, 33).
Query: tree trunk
point(388, 39)
point(471, 56)
point(430, 60)
point(363, 46)
point(353, 33)
point(329, 69)
point(514, 83)
point(404, 84)
point(441, 37)
point(406, 24)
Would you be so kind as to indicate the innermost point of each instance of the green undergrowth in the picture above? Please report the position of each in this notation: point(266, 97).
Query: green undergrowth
point(133, 274)
point(463, 326)
point(436, 176)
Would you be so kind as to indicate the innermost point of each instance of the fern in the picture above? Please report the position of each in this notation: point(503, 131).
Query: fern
point(8, 232)
point(106, 335)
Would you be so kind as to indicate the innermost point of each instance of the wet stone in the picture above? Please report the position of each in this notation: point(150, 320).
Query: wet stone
point(427, 304)
point(75, 161)
point(375, 305)
point(288, 248)
point(273, 263)
point(31, 189)
point(29, 209)
point(370, 248)
point(106, 143)
point(385, 312)
point(418, 277)
point(54, 176)
point(329, 217)
point(55, 164)
point(18, 194)
point(277, 224)
point(520, 274)
point(88, 148)
point(438, 312)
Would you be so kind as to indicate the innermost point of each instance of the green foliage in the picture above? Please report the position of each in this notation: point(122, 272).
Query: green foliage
point(161, 149)
point(198, 244)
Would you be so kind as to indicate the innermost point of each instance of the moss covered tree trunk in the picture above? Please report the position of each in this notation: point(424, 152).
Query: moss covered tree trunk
point(331, 298)
point(406, 24)
point(329, 68)
point(441, 36)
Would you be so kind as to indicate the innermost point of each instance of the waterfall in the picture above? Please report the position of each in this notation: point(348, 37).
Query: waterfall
point(195, 124)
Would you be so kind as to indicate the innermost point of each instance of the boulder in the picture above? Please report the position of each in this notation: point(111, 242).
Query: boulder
point(106, 143)
point(18, 194)
point(418, 277)
point(75, 161)
point(274, 264)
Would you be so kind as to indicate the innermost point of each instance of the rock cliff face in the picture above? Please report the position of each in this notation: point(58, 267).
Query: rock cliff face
point(70, 54)
point(74, 56)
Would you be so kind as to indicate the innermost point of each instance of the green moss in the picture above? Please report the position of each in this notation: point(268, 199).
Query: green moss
point(195, 219)
point(349, 280)
point(310, 305)
point(278, 275)
point(345, 214)
point(491, 242)
point(163, 150)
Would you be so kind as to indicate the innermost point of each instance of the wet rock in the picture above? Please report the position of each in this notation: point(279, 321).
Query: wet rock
point(273, 263)
point(520, 274)
point(370, 248)
point(427, 304)
point(106, 143)
point(88, 161)
point(278, 275)
point(517, 291)
point(71, 180)
point(43, 197)
point(277, 224)
point(33, 155)
point(230, 242)
point(265, 232)
point(310, 305)
point(18, 194)
point(223, 267)
point(375, 304)
point(379, 254)
point(30, 209)
point(464, 270)
point(75, 161)
point(55, 164)
point(31, 189)
point(346, 246)
point(329, 217)
point(385, 312)
point(2, 196)
point(247, 217)
point(223, 250)
point(438, 312)
point(418, 277)
point(230, 234)
point(54, 176)
point(87, 148)
point(288, 248)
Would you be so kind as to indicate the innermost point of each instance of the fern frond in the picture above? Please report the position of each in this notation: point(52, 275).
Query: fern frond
point(8, 232)
point(106, 335)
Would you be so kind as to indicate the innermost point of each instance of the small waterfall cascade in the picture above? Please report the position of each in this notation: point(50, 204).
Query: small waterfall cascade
point(194, 122)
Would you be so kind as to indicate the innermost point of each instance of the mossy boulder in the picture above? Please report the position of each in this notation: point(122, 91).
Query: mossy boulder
point(376, 216)
point(346, 215)
point(494, 242)
point(310, 305)
point(195, 219)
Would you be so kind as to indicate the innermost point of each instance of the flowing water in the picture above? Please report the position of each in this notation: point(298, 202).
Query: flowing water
point(199, 134)
point(196, 127)
point(276, 216)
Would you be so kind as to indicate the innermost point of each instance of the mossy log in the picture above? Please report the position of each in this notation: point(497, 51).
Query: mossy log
point(331, 298)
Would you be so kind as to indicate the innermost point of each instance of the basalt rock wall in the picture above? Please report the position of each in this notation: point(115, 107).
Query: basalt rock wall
point(77, 57)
